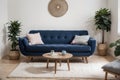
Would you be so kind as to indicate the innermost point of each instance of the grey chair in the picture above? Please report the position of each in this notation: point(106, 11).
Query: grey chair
point(112, 68)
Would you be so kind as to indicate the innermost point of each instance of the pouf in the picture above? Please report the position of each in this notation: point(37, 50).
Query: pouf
point(113, 66)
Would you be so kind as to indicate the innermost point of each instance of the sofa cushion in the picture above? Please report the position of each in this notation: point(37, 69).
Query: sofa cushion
point(34, 38)
point(58, 47)
point(80, 39)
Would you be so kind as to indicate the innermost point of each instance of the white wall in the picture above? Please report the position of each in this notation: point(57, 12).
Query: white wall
point(34, 15)
point(3, 20)
point(113, 36)
point(119, 17)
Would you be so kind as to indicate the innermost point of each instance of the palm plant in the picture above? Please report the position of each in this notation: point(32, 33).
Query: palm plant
point(13, 32)
point(116, 44)
point(103, 21)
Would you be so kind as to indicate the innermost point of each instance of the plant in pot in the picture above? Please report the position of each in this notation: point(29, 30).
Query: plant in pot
point(13, 33)
point(116, 44)
point(103, 23)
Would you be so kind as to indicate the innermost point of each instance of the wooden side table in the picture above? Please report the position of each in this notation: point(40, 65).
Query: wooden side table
point(58, 58)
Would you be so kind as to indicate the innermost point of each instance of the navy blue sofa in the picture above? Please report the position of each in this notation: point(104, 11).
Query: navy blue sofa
point(57, 40)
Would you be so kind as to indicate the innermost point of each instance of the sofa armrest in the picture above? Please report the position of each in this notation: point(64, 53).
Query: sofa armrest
point(92, 43)
point(23, 43)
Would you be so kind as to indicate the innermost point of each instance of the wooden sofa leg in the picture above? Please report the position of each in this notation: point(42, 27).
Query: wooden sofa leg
point(83, 58)
point(106, 75)
point(29, 58)
point(86, 60)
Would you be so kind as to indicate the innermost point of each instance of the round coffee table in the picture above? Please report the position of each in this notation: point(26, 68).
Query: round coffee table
point(58, 58)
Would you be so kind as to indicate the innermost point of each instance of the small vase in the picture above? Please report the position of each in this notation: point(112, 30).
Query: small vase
point(52, 52)
point(63, 52)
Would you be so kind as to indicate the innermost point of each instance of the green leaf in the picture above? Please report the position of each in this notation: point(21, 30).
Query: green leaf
point(117, 52)
point(118, 41)
point(112, 45)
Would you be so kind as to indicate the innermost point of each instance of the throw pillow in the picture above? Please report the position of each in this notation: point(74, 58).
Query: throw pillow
point(34, 38)
point(81, 39)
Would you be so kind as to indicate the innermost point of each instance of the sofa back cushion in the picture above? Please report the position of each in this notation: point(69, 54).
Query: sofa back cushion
point(59, 36)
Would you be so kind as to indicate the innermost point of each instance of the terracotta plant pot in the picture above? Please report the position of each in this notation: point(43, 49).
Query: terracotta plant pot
point(14, 55)
point(102, 49)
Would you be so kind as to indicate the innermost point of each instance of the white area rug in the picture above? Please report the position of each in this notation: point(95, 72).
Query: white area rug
point(80, 70)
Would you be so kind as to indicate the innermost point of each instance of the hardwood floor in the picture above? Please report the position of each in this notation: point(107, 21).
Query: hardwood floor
point(6, 66)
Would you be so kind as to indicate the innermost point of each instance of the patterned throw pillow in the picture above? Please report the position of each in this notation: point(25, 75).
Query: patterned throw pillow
point(83, 39)
point(34, 39)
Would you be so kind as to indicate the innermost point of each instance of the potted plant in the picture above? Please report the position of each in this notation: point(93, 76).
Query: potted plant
point(13, 33)
point(103, 23)
point(116, 44)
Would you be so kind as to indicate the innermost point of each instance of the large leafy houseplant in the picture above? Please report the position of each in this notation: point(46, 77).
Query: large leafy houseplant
point(103, 23)
point(13, 33)
point(116, 44)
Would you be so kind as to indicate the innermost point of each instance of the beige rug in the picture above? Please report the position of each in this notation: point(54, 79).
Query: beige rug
point(80, 70)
